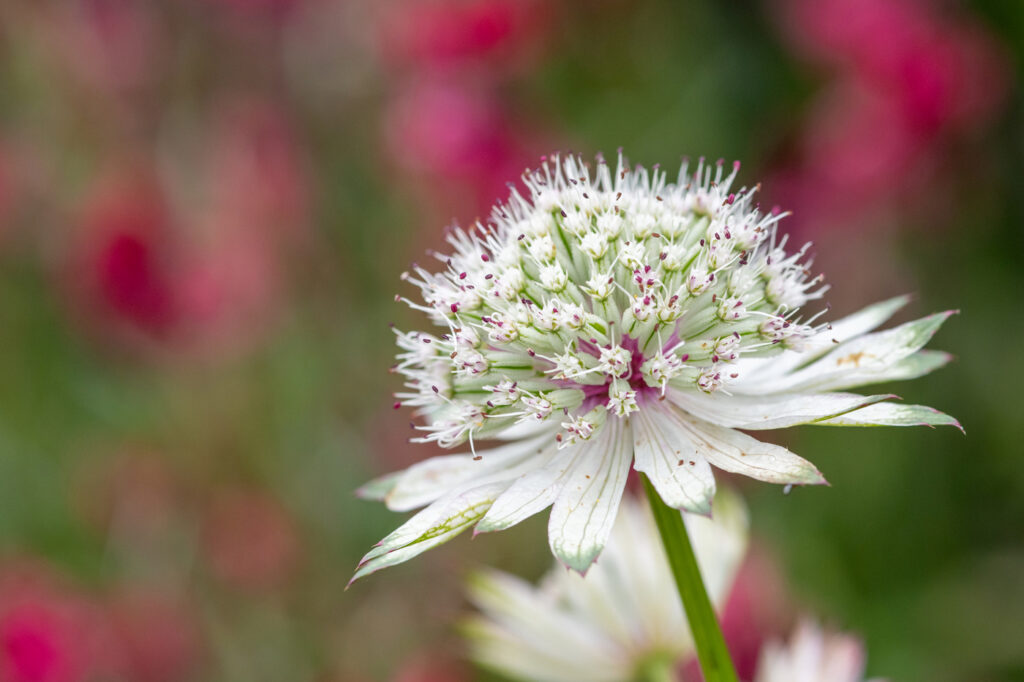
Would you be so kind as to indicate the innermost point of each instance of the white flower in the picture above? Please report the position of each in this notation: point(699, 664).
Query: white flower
point(682, 309)
point(812, 656)
point(623, 616)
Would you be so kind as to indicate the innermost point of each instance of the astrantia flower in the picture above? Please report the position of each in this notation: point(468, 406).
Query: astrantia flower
point(610, 320)
point(813, 656)
point(622, 618)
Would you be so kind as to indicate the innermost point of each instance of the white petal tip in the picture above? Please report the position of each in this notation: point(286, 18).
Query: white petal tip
point(580, 563)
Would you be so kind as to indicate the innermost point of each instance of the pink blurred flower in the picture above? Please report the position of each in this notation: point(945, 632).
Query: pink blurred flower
point(122, 255)
point(196, 258)
point(906, 78)
point(429, 33)
point(456, 139)
point(157, 637)
point(939, 70)
point(250, 540)
point(47, 633)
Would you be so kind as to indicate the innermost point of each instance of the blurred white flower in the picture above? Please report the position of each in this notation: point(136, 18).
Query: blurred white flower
point(813, 655)
point(621, 619)
point(614, 320)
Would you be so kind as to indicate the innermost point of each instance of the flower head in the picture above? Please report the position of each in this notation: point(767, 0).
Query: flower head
point(623, 617)
point(813, 655)
point(611, 319)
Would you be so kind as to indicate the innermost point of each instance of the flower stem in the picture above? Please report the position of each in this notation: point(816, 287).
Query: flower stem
point(707, 635)
point(657, 670)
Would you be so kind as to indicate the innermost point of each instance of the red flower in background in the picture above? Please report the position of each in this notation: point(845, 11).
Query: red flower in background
point(445, 125)
point(194, 265)
point(47, 633)
point(907, 79)
point(122, 259)
point(454, 138)
point(431, 33)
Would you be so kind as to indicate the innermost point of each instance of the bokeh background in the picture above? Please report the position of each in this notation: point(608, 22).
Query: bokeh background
point(204, 209)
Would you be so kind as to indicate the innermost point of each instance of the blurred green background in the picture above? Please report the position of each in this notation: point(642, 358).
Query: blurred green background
point(204, 209)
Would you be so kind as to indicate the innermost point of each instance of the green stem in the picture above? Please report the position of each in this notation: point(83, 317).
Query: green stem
point(707, 635)
point(657, 670)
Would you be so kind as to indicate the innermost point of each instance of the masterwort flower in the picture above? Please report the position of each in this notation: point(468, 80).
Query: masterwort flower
point(617, 623)
point(813, 655)
point(611, 319)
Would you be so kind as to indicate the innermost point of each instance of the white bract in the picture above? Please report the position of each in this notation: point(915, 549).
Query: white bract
point(611, 319)
point(812, 656)
point(624, 617)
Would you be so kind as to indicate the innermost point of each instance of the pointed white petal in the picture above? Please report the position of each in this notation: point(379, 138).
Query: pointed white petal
point(378, 488)
point(893, 414)
point(769, 411)
point(662, 450)
point(739, 453)
point(529, 633)
point(824, 341)
point(584, 511)
point(888, 355)
point(426, 481)
point(532, 492)
point(433, 526)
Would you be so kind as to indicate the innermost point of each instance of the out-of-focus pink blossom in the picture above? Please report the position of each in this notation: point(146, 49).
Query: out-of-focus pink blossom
point(156, 636)
point(47, 633)
point(120, 266)
point(906, 79)
point(941, 71)
point(250, 540)
point(430, 33)
point(454, 138)
point(196, 257)
point(445, 127)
